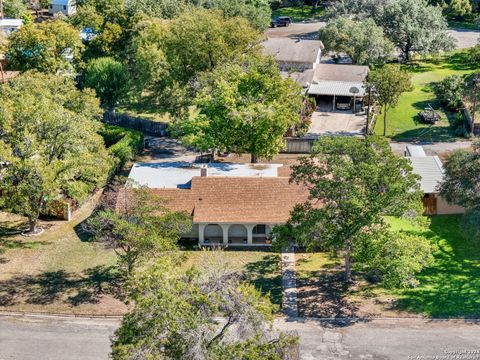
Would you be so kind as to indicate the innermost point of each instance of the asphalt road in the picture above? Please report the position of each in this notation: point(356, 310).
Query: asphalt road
point(27, 338)
point(465, 38)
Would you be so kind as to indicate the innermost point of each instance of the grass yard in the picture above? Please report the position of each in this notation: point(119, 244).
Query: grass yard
point(450, 288)
point(261, 268)
point(299, 14)
point(470, 23)
point(62, 271)
point(402, 121)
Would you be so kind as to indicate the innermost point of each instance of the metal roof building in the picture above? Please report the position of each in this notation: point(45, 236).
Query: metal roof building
point(337, 88)
point(430, 169)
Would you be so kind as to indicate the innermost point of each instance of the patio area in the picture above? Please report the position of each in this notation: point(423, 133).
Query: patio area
point(237, 242)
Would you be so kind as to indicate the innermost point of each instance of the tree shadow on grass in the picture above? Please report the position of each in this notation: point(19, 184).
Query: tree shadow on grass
point(266, 276)
point(60, 286)
point(10, 238)
point(451, 287)
point(323, 294)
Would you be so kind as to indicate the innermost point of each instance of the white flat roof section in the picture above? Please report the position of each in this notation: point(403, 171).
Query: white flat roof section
point(337, 88)
point(11, 22)
point(173, 175)
point(430, 169)
point(415, 151)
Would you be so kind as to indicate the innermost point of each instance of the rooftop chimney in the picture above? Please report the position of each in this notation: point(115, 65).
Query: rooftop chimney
point(204, 170)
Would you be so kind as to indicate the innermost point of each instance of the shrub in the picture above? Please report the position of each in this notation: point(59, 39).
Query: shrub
point(122, 143)
point(450, 91)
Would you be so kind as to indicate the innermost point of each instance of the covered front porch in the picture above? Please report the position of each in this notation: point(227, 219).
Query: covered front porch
point(241, 235)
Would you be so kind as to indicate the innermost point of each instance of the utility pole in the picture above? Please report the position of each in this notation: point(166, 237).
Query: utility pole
point(1, 9)
point(475, 81)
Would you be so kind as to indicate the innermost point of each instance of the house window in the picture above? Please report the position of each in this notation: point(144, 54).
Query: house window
point(260, 230)
point(64, 7)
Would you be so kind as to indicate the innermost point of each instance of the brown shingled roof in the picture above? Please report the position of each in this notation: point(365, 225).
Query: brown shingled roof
point(236, 200)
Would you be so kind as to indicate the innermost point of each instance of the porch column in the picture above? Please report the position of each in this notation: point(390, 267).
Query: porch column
point(201, 233)
point(250, 234)
point(225, 228)
point(333, 109)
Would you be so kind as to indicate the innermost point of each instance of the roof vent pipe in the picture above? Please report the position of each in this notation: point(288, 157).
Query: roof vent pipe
point(204, 170)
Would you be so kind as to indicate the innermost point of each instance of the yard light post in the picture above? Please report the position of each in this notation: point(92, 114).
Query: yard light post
point(475, 82)
point(370, 89)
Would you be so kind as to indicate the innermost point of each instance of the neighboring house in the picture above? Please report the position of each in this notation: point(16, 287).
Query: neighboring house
point(430, 169)
point(295, 55)
point(8, 26)
point(230, 204)
point(66, 7)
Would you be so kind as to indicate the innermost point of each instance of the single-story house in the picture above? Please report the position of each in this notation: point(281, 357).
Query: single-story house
point(338, 83)
point(66, 7)
point(295, 55)
point(233, 204)
point(430, 169)
point(7, 26)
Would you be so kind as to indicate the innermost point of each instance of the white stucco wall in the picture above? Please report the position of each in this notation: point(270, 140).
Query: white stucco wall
point(56, 8)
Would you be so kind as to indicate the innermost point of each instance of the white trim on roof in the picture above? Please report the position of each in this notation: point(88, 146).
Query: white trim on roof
point(337, 88)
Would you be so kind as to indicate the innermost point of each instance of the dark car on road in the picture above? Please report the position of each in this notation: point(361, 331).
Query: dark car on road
point(281, 21)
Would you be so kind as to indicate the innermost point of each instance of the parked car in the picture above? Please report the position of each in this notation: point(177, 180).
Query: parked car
point(281, 21)
point(343, 103)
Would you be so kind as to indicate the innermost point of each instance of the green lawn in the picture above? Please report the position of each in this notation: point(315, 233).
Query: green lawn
point(260, 268)
point(63, 271)
point(470, 24)
point(451, 287)
point(402, 121)
point(299, 14)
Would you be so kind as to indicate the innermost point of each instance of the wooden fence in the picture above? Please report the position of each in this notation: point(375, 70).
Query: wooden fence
point(298, 145)
point(144, 125)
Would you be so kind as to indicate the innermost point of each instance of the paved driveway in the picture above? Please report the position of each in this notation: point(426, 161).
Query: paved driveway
point(336, 123)
point(297, 30)
point(465, 38)
point(85, 339)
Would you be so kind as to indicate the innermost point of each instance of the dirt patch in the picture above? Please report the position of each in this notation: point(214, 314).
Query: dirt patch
point(323, 293)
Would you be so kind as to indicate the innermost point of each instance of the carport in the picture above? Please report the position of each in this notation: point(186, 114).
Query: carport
point(327, 93)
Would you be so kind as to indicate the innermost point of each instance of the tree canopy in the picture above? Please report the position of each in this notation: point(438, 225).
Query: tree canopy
point(176, 316)
point(110, 80)
point(50, 47)
point(353, 184)
point(363, 41)
point(414, 26)
point(257, 12)
point(244, 107)
point(461, 186)
point(108, 27)
point(49, 143)
point(167, 56)
point(389, 83)
point(14, 8)
point(140, 227)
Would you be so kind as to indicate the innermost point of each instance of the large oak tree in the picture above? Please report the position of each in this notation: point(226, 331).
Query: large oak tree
point(244, 107)
point(353, 184)
point(49, 144)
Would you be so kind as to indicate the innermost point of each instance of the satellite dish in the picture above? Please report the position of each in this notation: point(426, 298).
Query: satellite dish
point(354, 90)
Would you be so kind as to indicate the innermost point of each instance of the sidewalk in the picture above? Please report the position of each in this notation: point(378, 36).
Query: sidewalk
point(289, 285)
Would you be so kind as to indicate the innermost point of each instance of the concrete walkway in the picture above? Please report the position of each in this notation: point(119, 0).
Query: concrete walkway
point(289, 284)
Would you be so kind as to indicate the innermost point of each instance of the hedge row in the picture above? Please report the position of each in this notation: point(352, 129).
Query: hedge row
point(123, 143)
